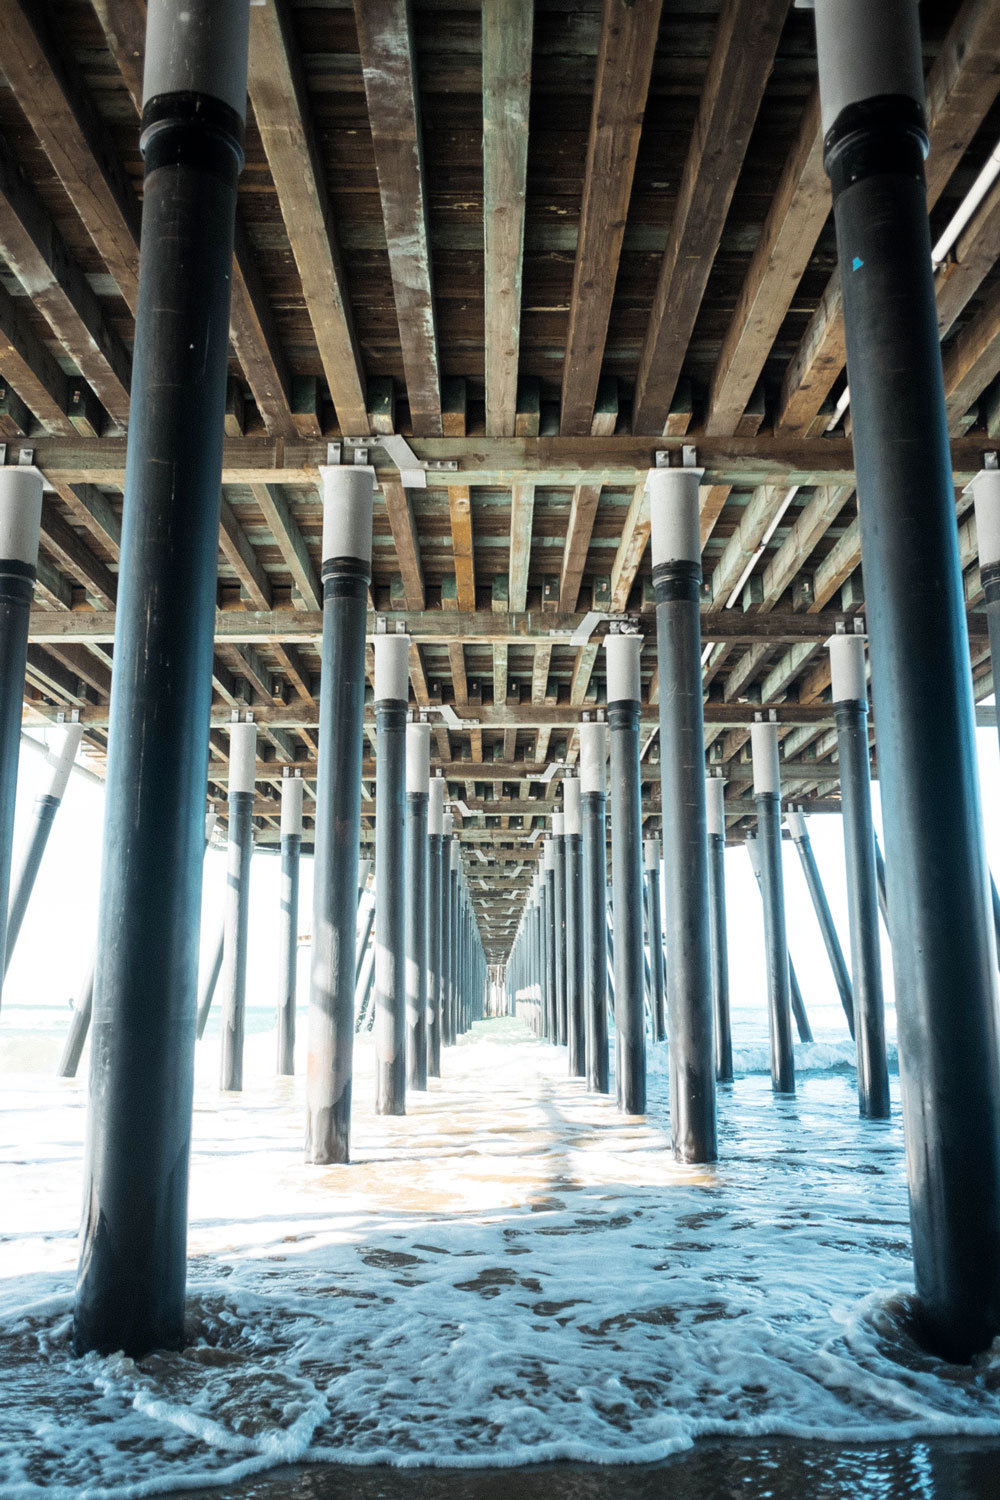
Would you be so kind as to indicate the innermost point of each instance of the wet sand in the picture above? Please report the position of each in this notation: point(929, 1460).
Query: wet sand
point(938, 1469)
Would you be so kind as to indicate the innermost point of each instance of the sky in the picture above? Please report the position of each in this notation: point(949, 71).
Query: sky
point(56, 943)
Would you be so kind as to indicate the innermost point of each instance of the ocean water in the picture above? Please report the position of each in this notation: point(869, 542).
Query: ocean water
point(511, 1274)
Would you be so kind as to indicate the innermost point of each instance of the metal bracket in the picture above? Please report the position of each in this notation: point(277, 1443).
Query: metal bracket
point(451, 717)
point(991, 460)
point(413, 471)
point(689, 457)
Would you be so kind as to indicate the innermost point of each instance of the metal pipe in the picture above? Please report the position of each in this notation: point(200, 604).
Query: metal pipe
point(20, 522)
point(47, 804)
point(72, 1051)
point(875, 138)
point(654, 938)
point(551, 990)
point(448, 824)
point(798, 1005)
point(346, 574)
point(559, 924)
point(576, 1031)
point(288, 919)
point(392, 676)
point(242, 770)
point(824, 916)
point(767, 796)
point(207, 992)
point(418, 778)
point(454, 868)
point(626, 870)
point(850, 707)
point(131, 1284)
point(715, 813)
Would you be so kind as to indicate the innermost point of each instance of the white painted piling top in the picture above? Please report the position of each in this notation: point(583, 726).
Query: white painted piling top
point(292, 788)
point(651, 853)
point(364, 870)
point(864, 50)
point(211, 818)
point(796, 826)
point(593, 756)
point(242, 757)
point(435, 806)
point(622, 654)
point(766, 768)
point(571, 806)
point(847, 669)
point(61, 757)
point(986, 495)
point(199, 47)
point(20, 515)
point(557, 825)
point(418, 758)
point(392, 668)
point(448, 824)
point(456, 855)
point(715, 805)
point(548, 855)
point(675, 534)
point(347, 510)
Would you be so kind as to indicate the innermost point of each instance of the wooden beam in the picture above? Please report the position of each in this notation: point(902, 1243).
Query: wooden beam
point(68, 549)
point(92, 510)
point(809, 529)
point(799, 209)
point(743, 54)
point(404, 535)
point(37, 255)
point(837, 566)
point(970, 262)
point(291, 543)
point(460, 512)
point(629, 31)
point(972, 360)
point(751, 527)
point(388, 62)
point(241, 557)
point(583, 511)
point(522, 512)
point(635, 535)
point(30, 368)
point(281, 107)
point(508, 27)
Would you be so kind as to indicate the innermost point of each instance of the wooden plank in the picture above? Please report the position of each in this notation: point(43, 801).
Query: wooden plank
point(404, 535)
point(583, 671)
point(798, 212)
point(51, 94)
point(388, 62)
point(809, 529)
point(754, 520)
point(972, 360)
point(69, 550)
point(241, 557)
point(838, 565)
point(711, 503)
point(540, 674)
point(291, 543)
point(460, 512)
point(29, 367)
point(522, 512)
point(629, 31)
point(500, 674)
point(281, 108)
point(583, 511)
point(37, 255)
point(92, 510)
point(961, 87)
point(635, 535)
point(970, 262)
point(508, 27)
point(456, 660)
point(746, 39)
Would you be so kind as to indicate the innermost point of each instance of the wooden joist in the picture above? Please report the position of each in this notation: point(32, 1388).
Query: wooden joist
point(522, 511)
point(507, 42)
point(385, 41)
point(30, 368)
point(583, 512)
point(291, 543)
point(281, 109)
point(241, 557)
point(404, 534)
point(746, 39)
point(629, 30)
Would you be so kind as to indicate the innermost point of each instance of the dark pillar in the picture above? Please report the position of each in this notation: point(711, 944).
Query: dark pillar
point(418, 780)
point(767, 796)
point(593, 755)
point(799, 1015)
point(288, 919)
point(654, 937)
point(850, 708)
point(549, 909)
point(559, 924)
point(676, 555)
point(715, 813)
point(576, 1032)
point(20, 522)
point(46, 807)
point(392, 678)
point(454, 883)
point(130, 1291)
point(448, 824)
point(824, 916)
point(346, 573)
point(626, 870)
point(347, 567)
point(242, 775)
point(875, 137)
point(435, 826)
point(986, 496)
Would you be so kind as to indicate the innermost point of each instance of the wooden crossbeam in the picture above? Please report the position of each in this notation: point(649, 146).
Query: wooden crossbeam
point(582, 514)
point(743, 54)
point(522, 512)
point(70, 552)
point(629, 30)
point(30, 368)
point(635, 535)
point(388, 62)
point(795, 219)
point(507, 41)
point(281, 108)
point(808, 529)
point(404, 534)
point(242, 558)
point(291, 544)
point(753, 523)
